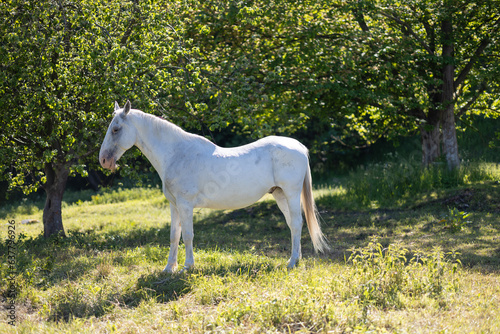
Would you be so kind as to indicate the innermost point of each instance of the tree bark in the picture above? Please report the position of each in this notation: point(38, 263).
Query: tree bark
point(54, 189)
point(431, 143)
point(450, 144)
point(430, 133)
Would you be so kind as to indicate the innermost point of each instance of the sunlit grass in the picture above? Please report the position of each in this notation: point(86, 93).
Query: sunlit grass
point(106, 275)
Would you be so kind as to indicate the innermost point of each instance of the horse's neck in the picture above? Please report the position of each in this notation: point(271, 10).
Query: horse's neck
point(159, 142)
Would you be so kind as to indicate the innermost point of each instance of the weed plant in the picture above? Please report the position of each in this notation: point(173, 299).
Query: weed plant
point(456, 220)
point(386, 276)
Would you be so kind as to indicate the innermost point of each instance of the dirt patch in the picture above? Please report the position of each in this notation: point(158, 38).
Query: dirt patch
point(485, 198)
point(462, 200)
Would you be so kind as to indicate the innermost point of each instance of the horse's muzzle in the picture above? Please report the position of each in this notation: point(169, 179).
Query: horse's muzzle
point(107, 160)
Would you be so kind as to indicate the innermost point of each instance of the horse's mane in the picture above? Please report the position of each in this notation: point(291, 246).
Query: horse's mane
point(161, 126)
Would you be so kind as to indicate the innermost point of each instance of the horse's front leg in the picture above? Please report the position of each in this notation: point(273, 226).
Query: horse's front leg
point(186, 216)
point(175, 236)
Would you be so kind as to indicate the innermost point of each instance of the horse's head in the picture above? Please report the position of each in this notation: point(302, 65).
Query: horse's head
point(121, 136)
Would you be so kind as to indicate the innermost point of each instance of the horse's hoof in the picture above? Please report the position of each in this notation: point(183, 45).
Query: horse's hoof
point(185, 269)
point(292, 264)
point(170, 269)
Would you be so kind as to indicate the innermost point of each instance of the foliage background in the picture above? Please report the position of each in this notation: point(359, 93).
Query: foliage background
point(340, 76)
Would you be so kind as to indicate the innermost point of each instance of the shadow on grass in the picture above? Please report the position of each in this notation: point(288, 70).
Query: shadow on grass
point(262, 229)
point(165, 287)
point(61, 262)
point(161, 286)
point(259, 229)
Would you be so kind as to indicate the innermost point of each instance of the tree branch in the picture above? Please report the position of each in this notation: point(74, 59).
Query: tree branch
point(482, 46)
point(409, 29)
point(132, 23)
point(19, 141)
point(472, 101)
point(358, 15)
point(465, 71)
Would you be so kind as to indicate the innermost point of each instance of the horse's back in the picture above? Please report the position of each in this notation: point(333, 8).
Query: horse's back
point(284, 143)
point(237, 177)
point(287, 157)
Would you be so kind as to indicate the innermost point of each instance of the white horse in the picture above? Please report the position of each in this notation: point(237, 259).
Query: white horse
point(196, 173)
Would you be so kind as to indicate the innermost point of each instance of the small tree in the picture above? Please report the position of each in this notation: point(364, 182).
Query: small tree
point(63, 63)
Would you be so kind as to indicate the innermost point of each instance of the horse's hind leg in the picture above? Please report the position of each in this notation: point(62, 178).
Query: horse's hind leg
point(280, 198)
point(290, 206)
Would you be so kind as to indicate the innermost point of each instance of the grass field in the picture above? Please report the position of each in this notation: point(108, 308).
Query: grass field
point(405, 260)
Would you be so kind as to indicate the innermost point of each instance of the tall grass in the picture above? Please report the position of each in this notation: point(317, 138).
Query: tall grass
point(122, 195)
point(230, 291)
point(397, 180)
point(387, 276)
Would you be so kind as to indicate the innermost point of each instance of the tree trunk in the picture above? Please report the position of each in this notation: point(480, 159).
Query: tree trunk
point(431, 143)
point(54, 189)
point(450, 145)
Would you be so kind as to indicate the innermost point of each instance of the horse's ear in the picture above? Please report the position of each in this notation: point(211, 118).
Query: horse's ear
point(126, 108)
point(117, 106)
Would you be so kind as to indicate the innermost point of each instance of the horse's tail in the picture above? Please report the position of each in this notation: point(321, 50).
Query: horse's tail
point(312, 217)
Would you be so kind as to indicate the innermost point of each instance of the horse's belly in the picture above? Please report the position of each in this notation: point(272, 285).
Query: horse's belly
point(233, 194)
point(230, 202)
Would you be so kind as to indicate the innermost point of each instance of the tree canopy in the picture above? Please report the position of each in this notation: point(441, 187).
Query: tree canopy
point(366, 69)
point(370, 69)
point(63, 63)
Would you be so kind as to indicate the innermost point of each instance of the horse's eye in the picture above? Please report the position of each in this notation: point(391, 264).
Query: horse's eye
point(115, 130)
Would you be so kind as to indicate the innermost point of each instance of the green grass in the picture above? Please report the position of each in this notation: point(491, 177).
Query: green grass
point(395, 266)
